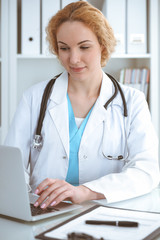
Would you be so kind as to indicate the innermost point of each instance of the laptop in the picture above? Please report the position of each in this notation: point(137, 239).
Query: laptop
point(15, 201)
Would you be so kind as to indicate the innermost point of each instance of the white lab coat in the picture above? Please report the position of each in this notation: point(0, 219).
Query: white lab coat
point(105, 134)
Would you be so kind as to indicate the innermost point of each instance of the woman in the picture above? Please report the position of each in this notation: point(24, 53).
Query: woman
point(88, 152)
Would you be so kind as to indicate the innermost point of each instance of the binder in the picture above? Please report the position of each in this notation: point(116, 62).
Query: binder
point(66, 2)
point(116, 15)
point(30, 28)
point(49, 8)
point(137, 26)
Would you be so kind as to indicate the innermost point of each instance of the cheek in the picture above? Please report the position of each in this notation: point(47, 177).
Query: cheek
point(95, 57)
point(62, 58)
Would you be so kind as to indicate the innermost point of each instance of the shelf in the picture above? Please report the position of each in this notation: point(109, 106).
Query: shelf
point(147, 55)
point(42, 56)
point(38, 56)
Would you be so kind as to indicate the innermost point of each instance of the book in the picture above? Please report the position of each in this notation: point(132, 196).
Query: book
point(136, 78)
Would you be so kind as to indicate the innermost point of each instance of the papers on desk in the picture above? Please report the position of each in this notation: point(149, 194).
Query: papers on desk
point(149, 225)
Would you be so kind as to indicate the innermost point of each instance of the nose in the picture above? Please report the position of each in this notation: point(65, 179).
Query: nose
point(74, 56)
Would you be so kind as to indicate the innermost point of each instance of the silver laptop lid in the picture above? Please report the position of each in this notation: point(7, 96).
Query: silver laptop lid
point(14, 199)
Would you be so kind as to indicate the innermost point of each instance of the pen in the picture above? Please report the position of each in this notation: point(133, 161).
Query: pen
point(113, 223)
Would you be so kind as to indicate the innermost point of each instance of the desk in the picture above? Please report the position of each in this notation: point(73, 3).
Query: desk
point(16, 230)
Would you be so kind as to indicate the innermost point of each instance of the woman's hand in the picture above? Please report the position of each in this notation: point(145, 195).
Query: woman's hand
point(55, 191)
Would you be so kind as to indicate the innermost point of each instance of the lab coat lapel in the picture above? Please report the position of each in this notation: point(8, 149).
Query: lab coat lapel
point(59, 109)
point(73, 129)
point(97, 117)
point(99, 114)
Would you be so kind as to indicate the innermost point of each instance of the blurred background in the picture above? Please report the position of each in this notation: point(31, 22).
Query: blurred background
point(25, 59)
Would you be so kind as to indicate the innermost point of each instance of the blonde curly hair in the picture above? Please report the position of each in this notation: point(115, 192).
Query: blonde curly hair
point(92, 17)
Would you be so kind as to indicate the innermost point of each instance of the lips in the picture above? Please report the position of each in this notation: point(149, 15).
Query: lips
point(77, 69)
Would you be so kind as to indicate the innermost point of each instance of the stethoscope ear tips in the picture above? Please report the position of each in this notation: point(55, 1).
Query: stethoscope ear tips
point(120, 157)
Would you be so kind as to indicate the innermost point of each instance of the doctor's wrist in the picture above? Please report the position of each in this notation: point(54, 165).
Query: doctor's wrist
point(88, 194)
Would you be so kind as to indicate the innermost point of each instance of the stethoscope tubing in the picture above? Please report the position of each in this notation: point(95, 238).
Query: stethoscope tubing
point(38, 141)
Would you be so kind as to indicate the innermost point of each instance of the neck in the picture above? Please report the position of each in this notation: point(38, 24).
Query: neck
point(87, 87)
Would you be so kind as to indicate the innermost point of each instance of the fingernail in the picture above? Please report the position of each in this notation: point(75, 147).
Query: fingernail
point(36, 204)
point(53, 203)
point(43, 205)
point(37, 191)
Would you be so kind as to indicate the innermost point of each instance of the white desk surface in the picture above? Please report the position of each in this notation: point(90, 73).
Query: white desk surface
point(15, 230)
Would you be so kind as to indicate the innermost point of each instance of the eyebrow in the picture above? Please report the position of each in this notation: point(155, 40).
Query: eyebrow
point(78, 43)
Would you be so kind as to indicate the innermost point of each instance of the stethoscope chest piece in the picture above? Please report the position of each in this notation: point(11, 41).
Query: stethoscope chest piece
point(37, 142)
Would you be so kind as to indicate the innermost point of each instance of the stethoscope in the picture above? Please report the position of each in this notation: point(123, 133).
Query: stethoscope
point(38, 140)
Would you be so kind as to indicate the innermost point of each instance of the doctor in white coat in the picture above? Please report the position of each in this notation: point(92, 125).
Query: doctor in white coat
point(88, 152)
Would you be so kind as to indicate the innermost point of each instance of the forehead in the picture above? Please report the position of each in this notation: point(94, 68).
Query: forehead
point(75, 31)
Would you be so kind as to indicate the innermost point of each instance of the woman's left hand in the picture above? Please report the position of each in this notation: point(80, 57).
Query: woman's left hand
point(54, 191)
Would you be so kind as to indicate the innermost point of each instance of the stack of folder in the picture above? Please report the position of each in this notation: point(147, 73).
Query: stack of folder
point(128, 19)
point(137, 78)
point(35, 16)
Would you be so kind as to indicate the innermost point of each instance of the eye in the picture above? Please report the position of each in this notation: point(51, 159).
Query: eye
point(84, 47)
point(64, 48)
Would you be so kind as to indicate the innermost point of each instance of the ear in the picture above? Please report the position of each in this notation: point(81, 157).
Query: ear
point(102, 48)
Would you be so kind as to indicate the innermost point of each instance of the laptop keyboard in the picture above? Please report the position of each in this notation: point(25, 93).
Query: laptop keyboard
point(38, 211)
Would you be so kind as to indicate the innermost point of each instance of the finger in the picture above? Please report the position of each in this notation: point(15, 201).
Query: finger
point(74, 194)
point(47, 193)
point(43, 196)
point(43, 185)
point(63, 196)
point(59, 187)
point(51, 201)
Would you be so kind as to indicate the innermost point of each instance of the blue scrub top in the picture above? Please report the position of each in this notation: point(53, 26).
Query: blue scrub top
point(75, 135)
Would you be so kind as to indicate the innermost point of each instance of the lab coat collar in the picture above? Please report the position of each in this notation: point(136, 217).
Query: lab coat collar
point(58, 109)
point(107, 91)
point(99, 113)
point(59, 91)
point(58, 94)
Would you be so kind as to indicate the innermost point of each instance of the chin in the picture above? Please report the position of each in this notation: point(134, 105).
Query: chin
point(79, 77)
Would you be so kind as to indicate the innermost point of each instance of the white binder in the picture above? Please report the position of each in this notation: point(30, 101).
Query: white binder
point(137, 26)
point(30, 31)
point(66, 2)
point(116, 15)
point(49, 8)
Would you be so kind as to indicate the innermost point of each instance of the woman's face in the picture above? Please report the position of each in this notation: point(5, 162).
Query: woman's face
point(78, 50)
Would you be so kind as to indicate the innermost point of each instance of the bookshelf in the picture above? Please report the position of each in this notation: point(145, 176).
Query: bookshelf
point(20, 71)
